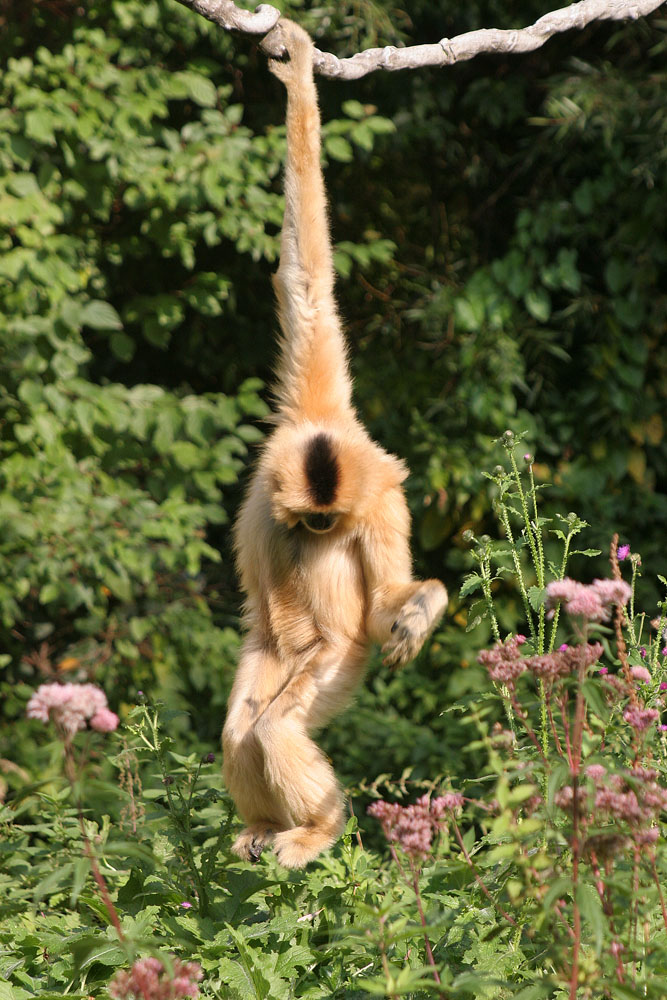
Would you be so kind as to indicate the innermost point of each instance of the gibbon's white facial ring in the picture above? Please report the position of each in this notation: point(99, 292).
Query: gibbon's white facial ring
point(319, 524)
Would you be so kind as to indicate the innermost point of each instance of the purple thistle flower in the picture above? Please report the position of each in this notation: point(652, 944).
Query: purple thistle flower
point(623, 552)
point(603, 670)
point(663, 685)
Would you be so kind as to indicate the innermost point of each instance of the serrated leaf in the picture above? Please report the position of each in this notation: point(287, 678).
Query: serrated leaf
point(536, 597)
point(470, 584)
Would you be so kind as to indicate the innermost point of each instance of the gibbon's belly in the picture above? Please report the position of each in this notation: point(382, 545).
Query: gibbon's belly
point(320, 606)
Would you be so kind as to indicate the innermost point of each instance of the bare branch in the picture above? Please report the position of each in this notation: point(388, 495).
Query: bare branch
point(233, 18)
point(446, 52)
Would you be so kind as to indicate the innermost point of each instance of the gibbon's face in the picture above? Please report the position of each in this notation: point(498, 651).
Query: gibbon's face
point(319, 523)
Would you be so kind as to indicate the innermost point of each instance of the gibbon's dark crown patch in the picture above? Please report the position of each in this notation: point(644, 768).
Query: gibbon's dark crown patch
point(321, 470)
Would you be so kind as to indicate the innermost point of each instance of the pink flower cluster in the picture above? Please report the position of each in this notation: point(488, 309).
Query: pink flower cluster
point(634, 797)
point(413, 827)
point(641, 718)
point(564, 661)
point(71, 707)
point(148, 979)
point(590, 601)
point(504, 662)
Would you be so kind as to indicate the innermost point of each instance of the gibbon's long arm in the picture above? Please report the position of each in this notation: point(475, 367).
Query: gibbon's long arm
point(313, 377)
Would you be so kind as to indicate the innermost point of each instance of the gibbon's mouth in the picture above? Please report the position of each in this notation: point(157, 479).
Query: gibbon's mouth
point(319, 524)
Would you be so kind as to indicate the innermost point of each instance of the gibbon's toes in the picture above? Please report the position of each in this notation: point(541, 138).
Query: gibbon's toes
point(251, 842)
point(290, 47)
point(295, 848)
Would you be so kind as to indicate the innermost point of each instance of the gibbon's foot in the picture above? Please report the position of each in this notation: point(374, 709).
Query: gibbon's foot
point(413, 624)
point(251, 842)
point(295, 848)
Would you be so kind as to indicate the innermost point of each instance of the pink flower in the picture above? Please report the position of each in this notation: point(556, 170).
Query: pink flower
point(412, 827)
point(504, 662)
point(148, 979)
point(186, 906)
point(623, 552)
point(593, 602)
point(641, 674)
point(562, 663)
point(104, 721)
point(640, 718)
point(603, 670)
point(71, 706)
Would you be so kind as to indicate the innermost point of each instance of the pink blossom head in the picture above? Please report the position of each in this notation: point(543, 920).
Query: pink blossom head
point(71, 707)
point(641, 674)
point(640, 718)
point(148, 979)
point(104, 721)
point(412, 827)
point(623, 552)
point(590, 601)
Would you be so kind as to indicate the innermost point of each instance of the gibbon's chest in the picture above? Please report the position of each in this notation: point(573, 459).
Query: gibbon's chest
point(321, 596)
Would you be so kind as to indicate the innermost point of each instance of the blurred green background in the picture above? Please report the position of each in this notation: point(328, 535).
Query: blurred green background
point(501, 241)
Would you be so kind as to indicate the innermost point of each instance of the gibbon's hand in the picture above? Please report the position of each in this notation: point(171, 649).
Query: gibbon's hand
point(412, 626)
point(297, 63)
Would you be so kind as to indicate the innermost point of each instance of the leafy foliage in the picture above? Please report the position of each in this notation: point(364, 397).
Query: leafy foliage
point(501, 238)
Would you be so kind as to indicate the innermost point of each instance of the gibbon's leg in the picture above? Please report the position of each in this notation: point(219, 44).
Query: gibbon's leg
point(297, 771)
point(259, 677)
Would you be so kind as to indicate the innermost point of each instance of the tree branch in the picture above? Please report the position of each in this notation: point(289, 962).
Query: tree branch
point(446, 52)
point(232, 18)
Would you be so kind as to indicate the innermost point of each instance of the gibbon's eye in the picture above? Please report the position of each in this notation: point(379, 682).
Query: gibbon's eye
point(319, 524)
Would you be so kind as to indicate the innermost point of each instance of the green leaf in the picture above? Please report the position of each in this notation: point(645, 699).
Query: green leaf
point(122, 346)
point(338, 148)
point(100, 316)
point(538, 304)
point(470, 584)
point(536, 597)
point(199, 88)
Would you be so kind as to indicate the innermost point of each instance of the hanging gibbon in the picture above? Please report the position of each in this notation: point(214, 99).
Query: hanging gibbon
point(321, 540)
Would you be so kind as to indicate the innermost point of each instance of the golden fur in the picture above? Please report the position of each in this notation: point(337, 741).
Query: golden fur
point(317, 594)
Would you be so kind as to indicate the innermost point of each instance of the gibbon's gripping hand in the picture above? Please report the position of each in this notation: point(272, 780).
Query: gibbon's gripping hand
point(414, 623)
point(297, 63)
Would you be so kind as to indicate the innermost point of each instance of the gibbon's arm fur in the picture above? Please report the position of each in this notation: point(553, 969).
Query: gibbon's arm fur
point(322, 536)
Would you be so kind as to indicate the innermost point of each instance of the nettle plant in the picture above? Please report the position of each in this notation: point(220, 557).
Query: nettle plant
point(567, 845)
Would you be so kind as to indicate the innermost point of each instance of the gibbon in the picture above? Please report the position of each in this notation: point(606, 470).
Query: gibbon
point(321, 539)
